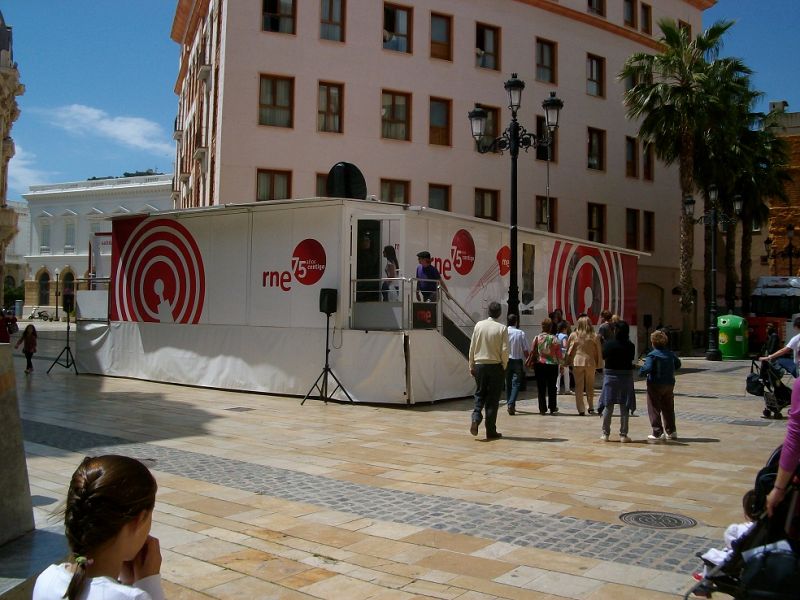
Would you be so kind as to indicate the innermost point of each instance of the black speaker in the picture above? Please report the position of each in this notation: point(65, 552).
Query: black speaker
point(345, 180)
point(648, 320)
point(327, 300)
point(68, 301)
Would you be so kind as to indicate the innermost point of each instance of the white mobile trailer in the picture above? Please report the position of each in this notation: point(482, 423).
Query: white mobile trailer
point(230, 296)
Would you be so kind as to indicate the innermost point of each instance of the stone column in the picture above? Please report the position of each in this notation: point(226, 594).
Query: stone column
point(16, 509)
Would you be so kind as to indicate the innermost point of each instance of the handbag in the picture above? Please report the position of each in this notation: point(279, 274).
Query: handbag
point(753, 384)
point(533, 356)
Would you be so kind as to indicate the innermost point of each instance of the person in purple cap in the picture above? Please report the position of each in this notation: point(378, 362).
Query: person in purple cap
point(427, 278)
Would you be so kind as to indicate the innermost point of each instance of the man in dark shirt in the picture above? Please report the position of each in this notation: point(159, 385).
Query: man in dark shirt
point(427, 278)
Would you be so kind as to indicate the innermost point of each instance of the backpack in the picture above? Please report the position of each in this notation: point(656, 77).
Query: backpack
point(11, 325)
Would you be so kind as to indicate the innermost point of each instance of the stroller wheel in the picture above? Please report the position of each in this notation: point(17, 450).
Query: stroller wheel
point(777, 415)
point(767, 413)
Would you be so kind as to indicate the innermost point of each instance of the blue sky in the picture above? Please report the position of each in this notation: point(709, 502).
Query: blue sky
point(99, 77)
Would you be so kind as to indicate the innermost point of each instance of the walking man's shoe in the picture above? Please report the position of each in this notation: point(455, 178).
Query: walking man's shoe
point(494, 436)
point(511, 411)
point(473, 429)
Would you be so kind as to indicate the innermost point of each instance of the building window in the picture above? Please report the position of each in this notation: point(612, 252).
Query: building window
point(596, 151)
point(397, 28)
point(321, 185)
point(546, 213)
point(631, 157)
point(396, 115)
point(492, 127)
point(684, 25)
point(629, 82)
point(44, 236)
point(596, 219)
point(439, 130)
point(548, 152)
point(629, 12)
point(276, 101)
point(439, 196)
point(631, 229)
point(646, 18)
point(487, 47)
point(329, 107)
point(595, 75)
point(546, 60)
point(441, 36)
point(69, 237)
point(486, 204)
point(273, 185)
point(279, 16)
point(597, 7)
point(648, 161)
point(394, 190)
point(331, 22)
point(649, 231)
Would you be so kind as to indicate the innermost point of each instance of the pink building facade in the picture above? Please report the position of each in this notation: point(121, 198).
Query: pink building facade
point(272, 93)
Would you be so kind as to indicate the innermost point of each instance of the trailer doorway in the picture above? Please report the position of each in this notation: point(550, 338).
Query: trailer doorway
point(376, 301)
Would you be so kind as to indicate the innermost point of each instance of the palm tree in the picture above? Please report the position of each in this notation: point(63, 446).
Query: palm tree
point(674, 101)
point(721, 157)
point(763, 178)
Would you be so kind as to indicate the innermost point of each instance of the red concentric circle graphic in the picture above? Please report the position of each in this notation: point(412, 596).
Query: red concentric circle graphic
point(462, 252)
point(160, 275)
point(308, 262)
point(587, 280)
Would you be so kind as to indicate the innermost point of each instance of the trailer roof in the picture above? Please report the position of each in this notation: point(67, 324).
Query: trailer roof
point(393, 207)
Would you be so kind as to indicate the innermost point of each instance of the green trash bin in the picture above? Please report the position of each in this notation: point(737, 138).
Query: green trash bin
point(732, 336)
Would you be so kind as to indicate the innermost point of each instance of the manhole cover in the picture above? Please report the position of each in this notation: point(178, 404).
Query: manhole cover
point(657, 520)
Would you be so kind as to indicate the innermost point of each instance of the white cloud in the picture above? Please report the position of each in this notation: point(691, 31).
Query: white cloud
point(22, 173)
point(132, 132)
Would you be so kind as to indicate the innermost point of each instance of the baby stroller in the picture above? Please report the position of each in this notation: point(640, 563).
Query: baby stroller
point(765, 562)
point(774, 383)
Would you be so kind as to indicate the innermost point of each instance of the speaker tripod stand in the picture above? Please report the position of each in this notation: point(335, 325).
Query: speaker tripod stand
point(69, 359)
point(321, 384)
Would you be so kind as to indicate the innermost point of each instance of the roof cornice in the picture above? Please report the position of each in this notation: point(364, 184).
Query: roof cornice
point(601, 23)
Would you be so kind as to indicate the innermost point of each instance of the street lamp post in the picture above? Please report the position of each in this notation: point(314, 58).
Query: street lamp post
point(57, 291)
point(712, 218)
point(512, 139)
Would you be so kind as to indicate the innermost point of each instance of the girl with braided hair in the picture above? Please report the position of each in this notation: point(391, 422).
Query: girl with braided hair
point(108, 514)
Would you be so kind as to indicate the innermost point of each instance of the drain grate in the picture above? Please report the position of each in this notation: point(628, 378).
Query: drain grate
point(657, 520)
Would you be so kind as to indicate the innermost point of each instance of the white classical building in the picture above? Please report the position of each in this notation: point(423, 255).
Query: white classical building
point(273, 93)
point(64, 218)
point(16, 270)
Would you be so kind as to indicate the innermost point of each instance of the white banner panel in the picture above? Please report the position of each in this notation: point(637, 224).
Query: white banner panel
point(263, 359)
point(295, 253)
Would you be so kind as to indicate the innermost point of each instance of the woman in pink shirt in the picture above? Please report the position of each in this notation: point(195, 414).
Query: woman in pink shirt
point(790, 454)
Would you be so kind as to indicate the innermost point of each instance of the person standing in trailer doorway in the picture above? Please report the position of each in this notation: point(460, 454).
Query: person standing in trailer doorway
point(390, 289)
point(488, 358)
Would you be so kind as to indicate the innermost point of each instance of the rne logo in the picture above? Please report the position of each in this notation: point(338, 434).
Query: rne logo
point(308, 266)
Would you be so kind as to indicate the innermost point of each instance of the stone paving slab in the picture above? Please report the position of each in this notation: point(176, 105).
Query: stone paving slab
point(260, 497)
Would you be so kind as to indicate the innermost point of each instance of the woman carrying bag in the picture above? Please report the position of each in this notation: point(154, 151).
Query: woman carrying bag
point(546, 356)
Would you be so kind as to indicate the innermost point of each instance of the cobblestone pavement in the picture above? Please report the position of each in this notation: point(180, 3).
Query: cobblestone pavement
point(260, 497)
point(637, 546)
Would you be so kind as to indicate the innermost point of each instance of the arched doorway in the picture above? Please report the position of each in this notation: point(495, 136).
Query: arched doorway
point(44, 289)
point(68, 282)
